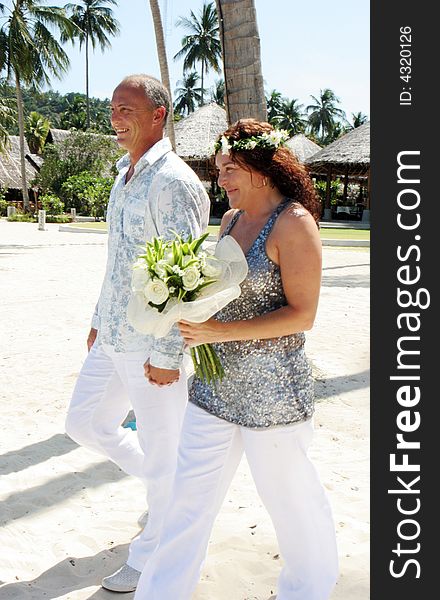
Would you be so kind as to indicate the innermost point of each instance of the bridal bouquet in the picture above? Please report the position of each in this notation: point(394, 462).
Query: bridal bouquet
point(177, 279)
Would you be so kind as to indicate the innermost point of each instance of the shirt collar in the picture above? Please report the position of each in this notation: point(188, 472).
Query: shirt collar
point(152, 155)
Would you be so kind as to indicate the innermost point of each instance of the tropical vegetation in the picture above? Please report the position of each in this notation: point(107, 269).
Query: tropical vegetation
point(94, 22)
point(201, 46)
point(30, 54)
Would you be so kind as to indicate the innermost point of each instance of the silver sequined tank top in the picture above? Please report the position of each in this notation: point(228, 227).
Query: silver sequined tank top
point(267, 382)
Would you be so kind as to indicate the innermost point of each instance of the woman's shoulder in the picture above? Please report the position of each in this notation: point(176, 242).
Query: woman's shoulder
point(227, 218)
point(295, 220)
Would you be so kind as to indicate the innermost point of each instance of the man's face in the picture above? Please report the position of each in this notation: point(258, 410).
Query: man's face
point(136, 123)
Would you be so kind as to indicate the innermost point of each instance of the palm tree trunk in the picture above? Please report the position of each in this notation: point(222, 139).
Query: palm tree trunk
point(203, 77)
point(241, 60)
point(163, 64)
point(87, 81)
point(26, 205)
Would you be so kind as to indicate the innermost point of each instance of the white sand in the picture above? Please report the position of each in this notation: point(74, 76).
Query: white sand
point(67, 516)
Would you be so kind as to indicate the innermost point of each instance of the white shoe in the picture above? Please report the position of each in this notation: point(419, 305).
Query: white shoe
point(142, 521)
point(124, 579)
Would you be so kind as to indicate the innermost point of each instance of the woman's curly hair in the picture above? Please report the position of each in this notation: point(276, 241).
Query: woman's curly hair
point(279, 164)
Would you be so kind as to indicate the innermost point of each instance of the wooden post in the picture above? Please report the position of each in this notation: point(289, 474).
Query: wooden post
point(328, 200)
point(344, 194)
point(366, 213)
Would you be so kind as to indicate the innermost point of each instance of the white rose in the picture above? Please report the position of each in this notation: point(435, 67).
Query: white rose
point(212, 268)
point(140, 278)
point(191, 278)
point(225, 146)
point(156, 291)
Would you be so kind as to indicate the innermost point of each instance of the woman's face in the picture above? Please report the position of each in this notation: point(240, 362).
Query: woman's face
point(239, 183)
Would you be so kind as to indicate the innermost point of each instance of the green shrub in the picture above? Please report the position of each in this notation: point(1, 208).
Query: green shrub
point(98, 196)
point(87, 193)
point(52, 204)
point(79, 152)
point(22, 218)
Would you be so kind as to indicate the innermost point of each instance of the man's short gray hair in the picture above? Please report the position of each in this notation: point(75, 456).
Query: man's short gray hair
point(154, 90)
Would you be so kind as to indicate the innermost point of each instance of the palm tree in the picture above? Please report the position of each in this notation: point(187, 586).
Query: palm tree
point(358, 119)
point(163, 64)
point(324, 113)
point(187, 95)
point(290, 117)
point(218, 93)
point(241, 60)
point(7, 119)
point(37, 128)
point(30, 53)
point(202, 45)
point(75, 113)
point(274, 103)
point(95, 22)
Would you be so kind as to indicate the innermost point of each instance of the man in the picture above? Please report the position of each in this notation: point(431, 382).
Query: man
point(154, 193)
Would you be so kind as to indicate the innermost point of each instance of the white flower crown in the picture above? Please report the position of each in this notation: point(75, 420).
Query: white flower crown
point(272, 140)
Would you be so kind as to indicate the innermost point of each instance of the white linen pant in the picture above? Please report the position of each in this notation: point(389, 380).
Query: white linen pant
point(108, 384)
point(288, 484)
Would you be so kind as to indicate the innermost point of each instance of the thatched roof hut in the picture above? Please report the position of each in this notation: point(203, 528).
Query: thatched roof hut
point(10, 165)
point(302, 147)
point(195, 137)
point(57, 136)
point(349, 153)
point(347, 157)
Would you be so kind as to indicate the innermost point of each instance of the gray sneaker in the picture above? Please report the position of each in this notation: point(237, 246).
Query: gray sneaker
point(142, 521)
point(124, 579)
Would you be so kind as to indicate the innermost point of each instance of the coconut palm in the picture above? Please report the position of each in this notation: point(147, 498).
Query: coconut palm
point(187, 95)
point(202, 44)
point(95, 22)
point(37, 128)
point(218, 92)
point(75, 113)
point(30, 53)
point(8, 118)
point(290, 117)
point(274, 103)
point(163, 63)
point(243, 75)
point(358, 119)
point(324, 114)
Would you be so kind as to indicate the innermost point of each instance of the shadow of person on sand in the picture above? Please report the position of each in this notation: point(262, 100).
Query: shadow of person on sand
point(70, 575)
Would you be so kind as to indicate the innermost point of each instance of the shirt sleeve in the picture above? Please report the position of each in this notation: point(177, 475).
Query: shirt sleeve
point(183, 207)
point(96, 320)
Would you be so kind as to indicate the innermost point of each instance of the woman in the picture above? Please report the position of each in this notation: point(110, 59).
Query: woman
point(264, 404)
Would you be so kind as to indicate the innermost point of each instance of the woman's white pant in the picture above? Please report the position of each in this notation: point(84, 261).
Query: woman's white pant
point(288, 484)
point(108, 385)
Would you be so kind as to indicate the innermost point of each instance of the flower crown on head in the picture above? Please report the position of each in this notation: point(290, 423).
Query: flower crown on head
point(272, 140)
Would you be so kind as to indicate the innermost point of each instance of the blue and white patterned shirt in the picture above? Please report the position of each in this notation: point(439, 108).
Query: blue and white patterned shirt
point(163, 194)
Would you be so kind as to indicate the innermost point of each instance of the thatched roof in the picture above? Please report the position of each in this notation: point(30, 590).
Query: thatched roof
point(57, 136)
point(348, 154)
point(302, 147)
point(196, 133)
point(10, 170)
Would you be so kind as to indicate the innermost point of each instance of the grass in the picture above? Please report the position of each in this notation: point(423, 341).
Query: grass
point(328, 233)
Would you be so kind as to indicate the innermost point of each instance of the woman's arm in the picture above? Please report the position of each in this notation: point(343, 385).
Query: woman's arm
point(295, 245)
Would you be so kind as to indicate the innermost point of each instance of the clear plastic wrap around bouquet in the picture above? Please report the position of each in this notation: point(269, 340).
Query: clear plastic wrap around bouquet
point(177, 280)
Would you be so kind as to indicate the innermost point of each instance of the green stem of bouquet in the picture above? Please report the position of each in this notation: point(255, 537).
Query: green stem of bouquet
point(207, 365)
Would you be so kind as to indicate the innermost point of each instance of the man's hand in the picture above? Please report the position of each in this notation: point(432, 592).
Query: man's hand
point(160, 377)
point(91, 338)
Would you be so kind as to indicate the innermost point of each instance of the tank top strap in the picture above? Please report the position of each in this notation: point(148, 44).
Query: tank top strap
point(231, 223)
point(264, 233)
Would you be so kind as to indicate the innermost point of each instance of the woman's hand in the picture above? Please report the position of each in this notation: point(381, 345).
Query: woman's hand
point(208, 332)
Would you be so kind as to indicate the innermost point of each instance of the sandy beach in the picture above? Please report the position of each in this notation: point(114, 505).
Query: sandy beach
point(67, 515)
